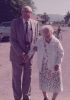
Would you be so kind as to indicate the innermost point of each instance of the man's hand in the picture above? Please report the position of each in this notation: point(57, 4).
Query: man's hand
point(56, 67)
point(26, 58)
point(23, 55)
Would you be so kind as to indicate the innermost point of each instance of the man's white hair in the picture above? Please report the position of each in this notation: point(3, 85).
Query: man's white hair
point(48, 27)
point(27, 7)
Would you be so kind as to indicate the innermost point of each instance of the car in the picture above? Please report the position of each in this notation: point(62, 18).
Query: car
point(6, 24)
point(5, 31)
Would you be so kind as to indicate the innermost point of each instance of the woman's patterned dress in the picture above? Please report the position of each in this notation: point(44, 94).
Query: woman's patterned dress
point(49, 80)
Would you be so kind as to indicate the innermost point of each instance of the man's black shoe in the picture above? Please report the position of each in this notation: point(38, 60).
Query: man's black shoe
point(26, 98)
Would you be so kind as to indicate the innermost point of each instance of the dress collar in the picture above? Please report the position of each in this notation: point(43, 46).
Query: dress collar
point(52, 38)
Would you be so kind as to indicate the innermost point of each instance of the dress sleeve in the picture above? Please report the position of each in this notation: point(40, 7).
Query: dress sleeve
point(60, 53)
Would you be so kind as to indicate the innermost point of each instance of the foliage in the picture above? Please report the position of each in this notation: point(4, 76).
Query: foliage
point(45, 18)
point(10, 9)
point(67, 17)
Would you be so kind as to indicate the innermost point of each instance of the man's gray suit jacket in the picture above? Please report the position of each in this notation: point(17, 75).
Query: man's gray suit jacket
point(17, 38)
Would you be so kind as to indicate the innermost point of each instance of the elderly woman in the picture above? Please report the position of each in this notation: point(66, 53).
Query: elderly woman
point(50, 54)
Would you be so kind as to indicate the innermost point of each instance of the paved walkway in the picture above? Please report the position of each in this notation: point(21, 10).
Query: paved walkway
point(5, 72)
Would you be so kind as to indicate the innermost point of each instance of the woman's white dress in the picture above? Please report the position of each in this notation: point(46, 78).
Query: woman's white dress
point(49, 55)
point(49, 80)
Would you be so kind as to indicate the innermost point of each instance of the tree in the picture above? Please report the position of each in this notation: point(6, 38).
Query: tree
point(67, 17)
point(10, 9)
point(17, 4)
point(45, 18)
point(6, 11)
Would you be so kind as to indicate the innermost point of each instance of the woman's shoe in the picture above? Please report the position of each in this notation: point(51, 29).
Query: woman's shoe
point(46, 98)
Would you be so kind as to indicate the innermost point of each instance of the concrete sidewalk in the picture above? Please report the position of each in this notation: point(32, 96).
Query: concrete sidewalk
point(5, 73)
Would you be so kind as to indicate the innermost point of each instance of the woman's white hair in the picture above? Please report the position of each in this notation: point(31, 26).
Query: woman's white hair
point(48, 27)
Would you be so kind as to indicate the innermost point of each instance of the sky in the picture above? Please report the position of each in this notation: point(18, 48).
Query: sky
point(52, 6)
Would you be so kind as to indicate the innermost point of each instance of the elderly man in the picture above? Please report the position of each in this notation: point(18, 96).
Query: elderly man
point(23, 31)
point(50, 54)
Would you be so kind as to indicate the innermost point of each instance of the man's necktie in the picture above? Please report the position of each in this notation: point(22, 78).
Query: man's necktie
point(26, 38)
point(26, 27)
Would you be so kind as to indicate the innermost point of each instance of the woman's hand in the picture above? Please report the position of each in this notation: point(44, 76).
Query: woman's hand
point(35, 48)
point(56, 67)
